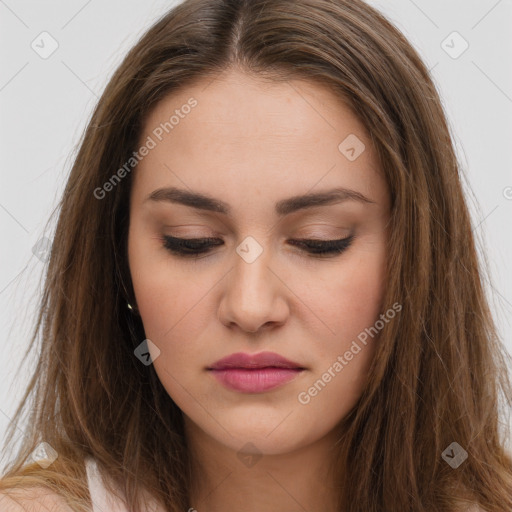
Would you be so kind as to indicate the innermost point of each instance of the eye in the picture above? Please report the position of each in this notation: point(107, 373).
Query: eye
point(190, 247)
point(322, 247)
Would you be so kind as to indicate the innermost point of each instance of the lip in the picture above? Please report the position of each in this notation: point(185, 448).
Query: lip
point(256, 380)
point(252, 361)
point(255, 373)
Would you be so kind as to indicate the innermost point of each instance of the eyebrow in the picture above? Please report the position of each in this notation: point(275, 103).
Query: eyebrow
point(282, 207)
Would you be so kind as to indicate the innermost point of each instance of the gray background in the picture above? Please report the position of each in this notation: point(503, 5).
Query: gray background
point(45, 104)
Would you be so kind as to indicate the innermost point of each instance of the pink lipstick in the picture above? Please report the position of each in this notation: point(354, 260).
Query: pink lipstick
point(255, 373)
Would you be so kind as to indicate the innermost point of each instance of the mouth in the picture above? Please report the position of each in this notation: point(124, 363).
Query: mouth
point(254, 366)
point(255, 373)
point(241, 360)
point(256, 379)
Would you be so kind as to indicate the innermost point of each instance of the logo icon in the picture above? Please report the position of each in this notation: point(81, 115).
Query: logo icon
point(44, 45)
point(249, 459)
point(44, 455)
point(42, 249)
point(147, 352)
point(454, 45)
point(249, 250)
point(352, 147)
point(454, 455)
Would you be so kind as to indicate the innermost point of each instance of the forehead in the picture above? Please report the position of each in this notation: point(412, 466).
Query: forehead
point(245, 137)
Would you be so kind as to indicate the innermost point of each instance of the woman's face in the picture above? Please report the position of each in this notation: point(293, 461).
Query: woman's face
point(254, 166)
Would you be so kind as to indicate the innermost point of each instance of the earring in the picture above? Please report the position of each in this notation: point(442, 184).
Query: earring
point(131, 308)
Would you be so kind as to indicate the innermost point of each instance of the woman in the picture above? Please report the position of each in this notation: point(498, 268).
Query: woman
point(263, 291)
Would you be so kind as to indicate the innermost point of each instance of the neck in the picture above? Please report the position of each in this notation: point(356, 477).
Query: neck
point(228, 479)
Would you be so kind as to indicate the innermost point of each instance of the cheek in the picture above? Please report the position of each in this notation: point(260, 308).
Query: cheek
point(166, 289)
point(346, 299)
point(176, 312)
point(359, 297)
point(351, 300)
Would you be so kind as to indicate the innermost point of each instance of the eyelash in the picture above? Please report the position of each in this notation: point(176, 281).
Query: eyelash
point(194, 247)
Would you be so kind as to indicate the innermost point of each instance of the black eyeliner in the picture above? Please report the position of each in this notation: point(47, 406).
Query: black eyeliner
point(197, 246)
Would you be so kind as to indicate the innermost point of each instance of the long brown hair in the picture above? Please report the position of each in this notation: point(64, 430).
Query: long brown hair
point(439, 373)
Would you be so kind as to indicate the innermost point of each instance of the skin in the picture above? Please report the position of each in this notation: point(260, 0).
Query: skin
point(251, 144)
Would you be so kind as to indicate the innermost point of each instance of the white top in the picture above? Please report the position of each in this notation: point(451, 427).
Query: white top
point(103, 500)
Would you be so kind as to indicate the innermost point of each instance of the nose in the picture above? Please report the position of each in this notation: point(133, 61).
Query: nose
point(254, 297)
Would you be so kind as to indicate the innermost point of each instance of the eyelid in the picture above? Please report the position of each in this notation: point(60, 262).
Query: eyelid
point(198, 247)
point(312, 230)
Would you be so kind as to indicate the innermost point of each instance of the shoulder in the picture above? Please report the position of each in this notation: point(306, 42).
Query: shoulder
point(32, 500)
